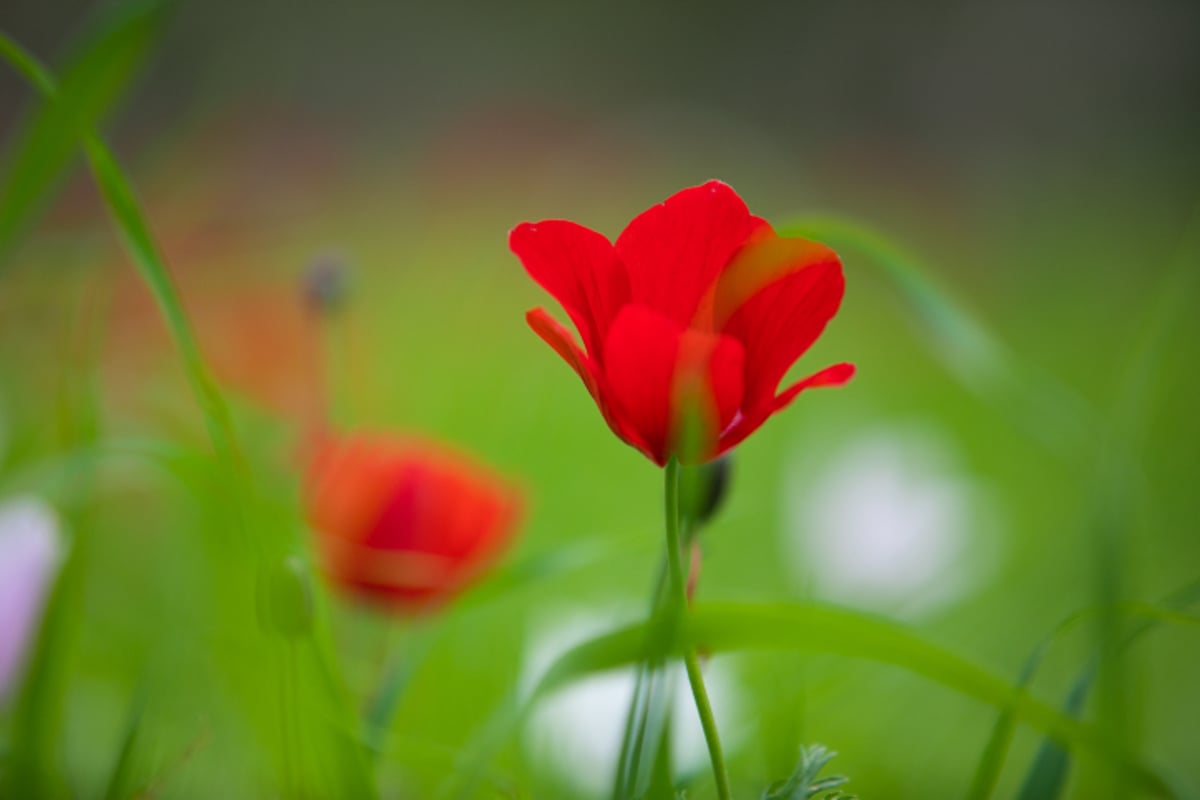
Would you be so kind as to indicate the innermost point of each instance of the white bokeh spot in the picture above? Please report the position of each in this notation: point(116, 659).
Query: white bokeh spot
point(889, 522)
point(577, 730)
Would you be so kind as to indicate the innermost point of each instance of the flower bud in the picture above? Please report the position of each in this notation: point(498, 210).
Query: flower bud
point(326, 284)
point(704, 491)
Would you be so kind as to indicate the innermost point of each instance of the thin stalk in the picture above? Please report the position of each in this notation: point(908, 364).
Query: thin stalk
point(633, 738)
point(679, 588)
point(130, 223)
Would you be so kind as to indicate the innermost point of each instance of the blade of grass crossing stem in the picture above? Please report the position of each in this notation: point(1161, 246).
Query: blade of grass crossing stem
point(729, 627)
point(97, 72)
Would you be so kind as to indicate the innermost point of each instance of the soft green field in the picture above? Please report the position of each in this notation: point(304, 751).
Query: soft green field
point(1024, 410)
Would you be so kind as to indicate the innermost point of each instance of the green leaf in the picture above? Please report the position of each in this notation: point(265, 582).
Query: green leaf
point(803, 782)
point(819, 629)
point(130, 222)
point(1048, 773)
point(96, 73)
point(120, 781)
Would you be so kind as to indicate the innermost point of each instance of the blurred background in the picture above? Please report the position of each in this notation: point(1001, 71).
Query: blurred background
point(992, 469)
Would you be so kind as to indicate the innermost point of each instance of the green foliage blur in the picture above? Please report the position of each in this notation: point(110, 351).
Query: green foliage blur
point(1020, 307)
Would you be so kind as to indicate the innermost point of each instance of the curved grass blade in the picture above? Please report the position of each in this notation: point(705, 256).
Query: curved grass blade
point(979, 360)
point(1126, 431)
point(1048, 773)
point(121, 779)
point(806, 628)
point(992, 760)
point(810, 628)
point(130, 222)
point(351, 770)
point(96, 74)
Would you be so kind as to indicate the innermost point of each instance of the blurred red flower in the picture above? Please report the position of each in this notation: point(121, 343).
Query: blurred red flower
point(403, 522)
point(689, 321)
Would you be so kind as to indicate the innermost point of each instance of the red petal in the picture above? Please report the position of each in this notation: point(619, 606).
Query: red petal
point(836, 375)
point(776, 298)
point(675, 250)
point(640, 366)
point(659, 373)
point(559, 338)
point(579, 268)
point(707, 393)
point(403, 521)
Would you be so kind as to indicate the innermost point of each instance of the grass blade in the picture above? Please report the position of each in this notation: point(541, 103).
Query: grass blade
point(806, 628)
point(96, 74)
point(818, 629)
point(1037, 402)
point(1112, 517)
point(130, 222)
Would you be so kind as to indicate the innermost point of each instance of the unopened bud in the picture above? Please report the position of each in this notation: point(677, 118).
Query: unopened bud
point(704, 491)
point(326, 284)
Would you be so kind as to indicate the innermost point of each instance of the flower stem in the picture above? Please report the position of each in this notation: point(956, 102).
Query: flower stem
point(679, 588)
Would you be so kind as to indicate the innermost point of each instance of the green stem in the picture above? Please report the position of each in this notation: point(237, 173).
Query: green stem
point(633, 738)
point(679, 588)
point(130, 223)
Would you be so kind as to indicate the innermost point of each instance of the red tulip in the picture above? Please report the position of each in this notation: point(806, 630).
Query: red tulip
point(403, 522)
point(689, 321)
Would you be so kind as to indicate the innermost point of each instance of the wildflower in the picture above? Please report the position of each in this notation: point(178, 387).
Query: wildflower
point(30, 552)
point(689, 321)
point(404, 522)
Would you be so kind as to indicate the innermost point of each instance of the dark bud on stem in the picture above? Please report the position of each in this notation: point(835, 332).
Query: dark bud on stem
point(285, 598)
point(706, 490)
point(326, 284)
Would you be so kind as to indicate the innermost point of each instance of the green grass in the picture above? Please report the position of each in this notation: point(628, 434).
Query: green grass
point(157, 671)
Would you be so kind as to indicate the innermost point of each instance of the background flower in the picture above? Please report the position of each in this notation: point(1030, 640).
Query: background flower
point(30, 551)
point(405, 522)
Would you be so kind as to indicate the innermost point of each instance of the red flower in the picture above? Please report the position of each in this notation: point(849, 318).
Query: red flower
point(403, 522)
point(694, 314)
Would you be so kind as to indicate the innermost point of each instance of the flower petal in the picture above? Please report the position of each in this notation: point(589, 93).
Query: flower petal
point(664, 378)
point(559, 338)
point(776, 298)
point(31, 550)
point(836, 375)
point(707, 392)
point(675, 251)
point(580, 269)
point(404, 521)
